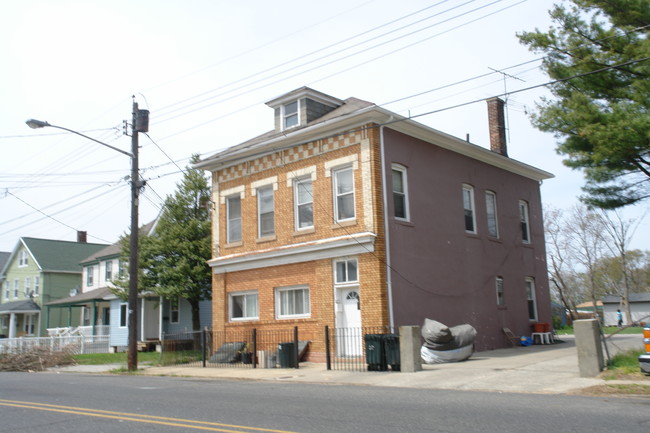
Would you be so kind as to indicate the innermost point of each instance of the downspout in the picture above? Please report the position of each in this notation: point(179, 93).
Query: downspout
point(389, 283)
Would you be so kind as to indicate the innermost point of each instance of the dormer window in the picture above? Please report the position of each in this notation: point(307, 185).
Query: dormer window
point(290, 113)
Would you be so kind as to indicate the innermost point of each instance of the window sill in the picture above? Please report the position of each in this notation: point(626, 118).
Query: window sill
point(404, 223)
point(346, 223)
point(306, 231)
point(266, 239)
point(234, 244)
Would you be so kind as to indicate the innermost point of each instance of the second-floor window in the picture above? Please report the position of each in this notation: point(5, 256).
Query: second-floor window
point(90, 276)
point(468, 207)
point(16, 287)
point(233, 211)
point(491, 213)
point(344, 194)
point(122, 269)
point(303, 203)
point(524, 221)
point(108, 271)
point(28, 286)
point(265, 211)
point(400, 193)
point(7, 290)
point(37, 285)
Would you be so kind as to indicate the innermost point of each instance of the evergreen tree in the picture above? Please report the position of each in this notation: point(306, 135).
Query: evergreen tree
point(600, 51)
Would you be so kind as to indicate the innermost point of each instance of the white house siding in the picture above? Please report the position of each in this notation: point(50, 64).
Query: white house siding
point(119, 335)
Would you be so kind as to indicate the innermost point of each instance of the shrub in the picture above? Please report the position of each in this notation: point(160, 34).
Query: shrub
point(36, 359)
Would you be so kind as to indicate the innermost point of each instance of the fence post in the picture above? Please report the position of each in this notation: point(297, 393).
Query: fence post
point(203, 346)
point(327, 347)
point(295, 344)
point(254, 347)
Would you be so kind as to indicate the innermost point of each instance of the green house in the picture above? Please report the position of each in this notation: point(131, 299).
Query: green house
point(37, 272)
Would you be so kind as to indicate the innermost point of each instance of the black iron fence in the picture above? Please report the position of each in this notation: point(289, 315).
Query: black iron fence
point(351, 349)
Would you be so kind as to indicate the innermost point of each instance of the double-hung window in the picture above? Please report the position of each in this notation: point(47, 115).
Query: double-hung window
point(400, 192)
point(37, 285)
point(108, 274)
point(90, 276)
point(23, 258)
point(501, 301)
point(6, 289)
point(243, 306)
point(290, 115)
point(491, 213)
point(304, 203)
point(530, 294)
point(292, 302)
point(233, 211)
point(265, 211)
point(16, 287)
point(28, 286)
point(468, 208)
point(524, 221)
point(174, 311)
point(344, 194)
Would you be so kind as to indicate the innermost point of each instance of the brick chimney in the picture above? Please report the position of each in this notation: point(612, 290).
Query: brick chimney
point(82, 237)
point(497, 122)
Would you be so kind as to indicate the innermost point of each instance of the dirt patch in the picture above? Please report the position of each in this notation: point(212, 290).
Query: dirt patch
point(617, 390)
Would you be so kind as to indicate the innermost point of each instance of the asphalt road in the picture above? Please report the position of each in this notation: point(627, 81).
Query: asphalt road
point(48, 402)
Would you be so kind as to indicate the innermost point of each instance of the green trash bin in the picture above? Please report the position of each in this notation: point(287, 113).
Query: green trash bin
point(391, 349)
point(287, 355)
point(375, 355)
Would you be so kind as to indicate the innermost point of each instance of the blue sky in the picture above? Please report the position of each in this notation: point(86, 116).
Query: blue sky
point(204, 69)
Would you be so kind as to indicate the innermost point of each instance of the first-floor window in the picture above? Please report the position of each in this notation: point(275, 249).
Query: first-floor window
point(123, 315)
point(243, 306)
point(500, 296)
point(530, 293)
point(174, 312)
point(292, 302)
point(5, 321)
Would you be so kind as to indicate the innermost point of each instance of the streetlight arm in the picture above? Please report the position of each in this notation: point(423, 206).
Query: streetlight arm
point(35, 124)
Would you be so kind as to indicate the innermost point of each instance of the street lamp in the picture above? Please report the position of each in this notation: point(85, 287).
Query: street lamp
point(140, 124)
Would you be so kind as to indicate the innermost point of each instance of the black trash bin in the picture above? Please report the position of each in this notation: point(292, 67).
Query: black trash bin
point(391, 349)
point(287, 355)
point(375, 355)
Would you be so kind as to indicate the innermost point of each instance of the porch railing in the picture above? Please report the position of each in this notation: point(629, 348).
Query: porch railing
point(73, 344)
point(79, 330)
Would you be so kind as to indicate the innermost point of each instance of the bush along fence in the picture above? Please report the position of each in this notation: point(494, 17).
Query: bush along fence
point(71, 344)
point(352, 349)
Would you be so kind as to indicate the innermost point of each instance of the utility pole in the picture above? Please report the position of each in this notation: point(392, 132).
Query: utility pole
point(140, 124)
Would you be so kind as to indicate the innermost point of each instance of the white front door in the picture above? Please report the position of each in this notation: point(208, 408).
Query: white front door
point(349, 338)
point(150, 318)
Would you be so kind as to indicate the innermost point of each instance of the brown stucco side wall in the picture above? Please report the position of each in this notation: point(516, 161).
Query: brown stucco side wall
point(443, 273)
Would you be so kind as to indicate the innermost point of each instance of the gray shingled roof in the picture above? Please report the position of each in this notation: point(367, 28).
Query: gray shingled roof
point(97, 294)
point(4, 258)
point(60, 256)
point(23, 306)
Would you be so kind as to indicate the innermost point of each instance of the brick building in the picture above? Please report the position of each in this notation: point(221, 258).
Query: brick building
point(349, 215)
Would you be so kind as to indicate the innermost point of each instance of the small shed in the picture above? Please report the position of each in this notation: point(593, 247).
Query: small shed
point(639, 308)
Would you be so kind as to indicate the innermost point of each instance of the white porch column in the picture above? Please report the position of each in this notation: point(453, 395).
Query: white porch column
point(12, 325)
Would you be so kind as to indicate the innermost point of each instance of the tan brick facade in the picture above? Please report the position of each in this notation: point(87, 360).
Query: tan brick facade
point(359, 149)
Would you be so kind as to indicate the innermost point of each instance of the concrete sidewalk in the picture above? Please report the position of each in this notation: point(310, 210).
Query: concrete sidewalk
point(533, 369)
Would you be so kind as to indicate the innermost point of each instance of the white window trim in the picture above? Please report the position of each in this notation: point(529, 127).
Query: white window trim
point(407, 211)
point(283, 115)
point(7, 289)
point(90, 276)
point(28, 286)
point(296, 205)
point(230, 305)
point(345, 260)
point(496, 213)
point(335, 195)
point(530, 282)
point(273, 180)
point(500, 285)
point(126, 315)
point(259, 213)
point(526, 219)
point(108, 267)
point(16, 288)
point(470, 188)
point(37, 286)
point(339, 163)
point(228, 219)
point(279, 290)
